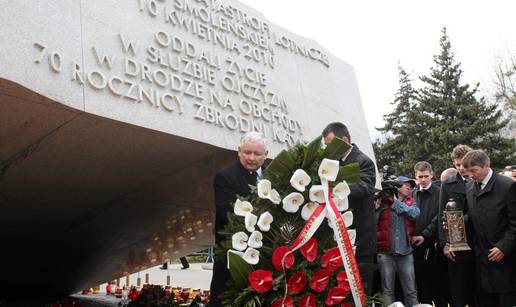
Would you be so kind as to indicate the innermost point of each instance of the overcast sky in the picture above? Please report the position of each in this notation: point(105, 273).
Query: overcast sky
point(373, 36)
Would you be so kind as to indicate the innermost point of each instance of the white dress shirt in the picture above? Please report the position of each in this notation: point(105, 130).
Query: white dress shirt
point(486, 179)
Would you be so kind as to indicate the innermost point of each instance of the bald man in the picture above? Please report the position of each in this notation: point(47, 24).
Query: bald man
point(447, 173)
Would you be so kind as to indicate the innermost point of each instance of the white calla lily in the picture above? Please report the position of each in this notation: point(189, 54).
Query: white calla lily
point(308, 210)
point(317, 194)
point(329, 169)
point(341, 190)
point(265, 221)
point(300, 180)
point(341, 203)
point(242, 207)
point(275, 197)
point(255, 240)
point(292, 201)
point(251, 256)
point(250, 221)
point(264, 188)
point(352, 235)
point(239, 241)
point(348, 218)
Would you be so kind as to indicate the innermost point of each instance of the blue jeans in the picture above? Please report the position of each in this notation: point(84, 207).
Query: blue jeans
point(404, 266)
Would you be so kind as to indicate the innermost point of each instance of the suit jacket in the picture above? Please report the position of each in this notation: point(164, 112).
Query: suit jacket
point(361, 201)
point(492, 211)
point(229, 182)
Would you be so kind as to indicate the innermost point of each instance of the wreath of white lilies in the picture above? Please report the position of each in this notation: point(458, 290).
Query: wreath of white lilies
point(246, 246)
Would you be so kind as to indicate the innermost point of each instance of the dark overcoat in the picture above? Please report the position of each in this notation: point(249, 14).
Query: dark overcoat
point(229, 182)
point(428, 203)
point(361, 202)
point(492, 212)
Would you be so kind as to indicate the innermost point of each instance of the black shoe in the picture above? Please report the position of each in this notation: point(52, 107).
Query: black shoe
point(164, 266)
point(184, 268)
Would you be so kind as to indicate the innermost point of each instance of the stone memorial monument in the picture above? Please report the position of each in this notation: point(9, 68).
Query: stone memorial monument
point(114, 116)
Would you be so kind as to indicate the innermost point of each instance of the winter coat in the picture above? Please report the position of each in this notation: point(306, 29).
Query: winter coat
point(384, 233)
point(428, 203)
point(361, 201)
point(492, 211)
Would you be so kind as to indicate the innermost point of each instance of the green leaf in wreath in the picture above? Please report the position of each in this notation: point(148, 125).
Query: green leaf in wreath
point(239, 270)
point(336, 149)
point(311, 152)
point(350, 173)
point(283, 164)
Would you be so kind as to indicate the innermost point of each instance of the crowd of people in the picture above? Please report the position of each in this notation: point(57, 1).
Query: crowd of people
point(402, 233)
point(412, 235)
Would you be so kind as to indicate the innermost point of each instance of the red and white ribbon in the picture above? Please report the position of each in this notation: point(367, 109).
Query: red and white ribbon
point(329, 209)
point(345, 248)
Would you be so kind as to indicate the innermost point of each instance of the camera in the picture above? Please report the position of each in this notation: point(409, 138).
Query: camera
point(390, 184)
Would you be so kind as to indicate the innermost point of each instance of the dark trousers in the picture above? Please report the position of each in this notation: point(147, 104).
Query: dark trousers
point(497, 299)
point(367, 267)
point(461, 275)
point(443, 296)
point(431, 277)
point(218, 282)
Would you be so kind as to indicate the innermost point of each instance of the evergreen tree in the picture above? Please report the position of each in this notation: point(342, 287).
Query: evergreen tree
point(398, 127)
point(444, 114)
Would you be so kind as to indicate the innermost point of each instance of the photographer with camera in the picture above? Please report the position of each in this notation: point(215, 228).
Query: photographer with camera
point(396, 217)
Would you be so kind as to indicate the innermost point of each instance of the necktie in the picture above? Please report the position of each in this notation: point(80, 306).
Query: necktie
point(253, 176)
point(479, 186)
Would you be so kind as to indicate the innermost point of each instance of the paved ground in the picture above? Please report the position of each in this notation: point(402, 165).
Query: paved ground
point(194, 277)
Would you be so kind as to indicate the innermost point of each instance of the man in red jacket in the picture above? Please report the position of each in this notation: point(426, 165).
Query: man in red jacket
point(395, 229)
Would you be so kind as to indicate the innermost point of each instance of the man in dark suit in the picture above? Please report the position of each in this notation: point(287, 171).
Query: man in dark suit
point(361, 201)
point(430, 267)
point(492, 210)
point(229, 182)
point(461, 264)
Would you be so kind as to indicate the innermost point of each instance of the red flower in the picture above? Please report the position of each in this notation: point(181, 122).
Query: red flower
point(320, 280)
point(261, 280)
point(309, 250)
point(331, 259)
point(335, 296)
point(277, 257)
point(342, 281)
point(296, 283)
point(308, 300)
point(346, 304)
point(288, 302)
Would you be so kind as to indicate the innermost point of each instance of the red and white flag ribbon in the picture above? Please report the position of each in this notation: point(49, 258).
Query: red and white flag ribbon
point(329, 209)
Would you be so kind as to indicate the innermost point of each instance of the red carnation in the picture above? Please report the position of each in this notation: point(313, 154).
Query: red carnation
point(309, 250)
point(296, 283)
point(335, 296)
point(342, 281)
point(261, 280)
point(277, 257)
point(288, 302)
point(331, 259)
point(346, 304)
point(320, 280)
point(308, 300)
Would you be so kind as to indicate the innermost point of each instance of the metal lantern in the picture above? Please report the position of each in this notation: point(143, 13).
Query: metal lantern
point(455, 228)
